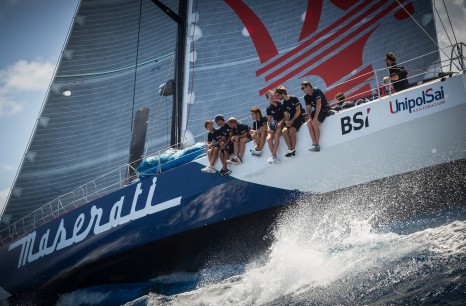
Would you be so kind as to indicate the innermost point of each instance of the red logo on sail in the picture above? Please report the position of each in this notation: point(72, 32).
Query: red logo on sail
point(319, 51)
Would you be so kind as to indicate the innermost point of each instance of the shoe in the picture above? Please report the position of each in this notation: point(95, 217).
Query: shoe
point(227, 172)
point(209, 169)
point(222, 172)
point(256, 153)
point(290, 152)
point(314, 148)
point(271, 160)
point(234, 161)
point(276, 159)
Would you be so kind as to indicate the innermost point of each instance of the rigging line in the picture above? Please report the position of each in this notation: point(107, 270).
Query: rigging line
point(443, 25)
point(161, 97)
point(449, 20)
point(192, 79)
point(42, 107)
point(136, 64)
point(116, 70)
point(436, 43)
point(445, 29)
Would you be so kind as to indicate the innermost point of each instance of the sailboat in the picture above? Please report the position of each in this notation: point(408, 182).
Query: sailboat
point(136, 77)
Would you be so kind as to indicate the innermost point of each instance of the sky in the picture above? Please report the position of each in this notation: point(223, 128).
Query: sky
point(32, 35)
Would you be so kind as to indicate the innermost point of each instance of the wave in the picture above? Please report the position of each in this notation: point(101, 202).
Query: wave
point(323, 254)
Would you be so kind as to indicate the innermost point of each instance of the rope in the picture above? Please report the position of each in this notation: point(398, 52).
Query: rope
point(443, 25)
point(192, 79)
point(448, 15)
point(435, 42)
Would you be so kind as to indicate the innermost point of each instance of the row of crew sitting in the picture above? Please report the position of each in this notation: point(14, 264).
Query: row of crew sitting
point(285, 115)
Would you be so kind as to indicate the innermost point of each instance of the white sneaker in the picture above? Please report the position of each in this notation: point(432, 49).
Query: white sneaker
point(271, 160)
point(234, 161)
point(314, 148)
point(276, 159)
point(256, 152)
point(290, 152)
point(209, 169)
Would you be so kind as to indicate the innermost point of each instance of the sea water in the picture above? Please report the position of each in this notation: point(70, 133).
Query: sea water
point(322, 255)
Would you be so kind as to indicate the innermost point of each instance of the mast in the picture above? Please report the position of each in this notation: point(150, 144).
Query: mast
point(177, 109)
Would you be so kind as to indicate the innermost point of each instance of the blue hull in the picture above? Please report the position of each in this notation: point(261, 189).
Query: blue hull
point(67, 253)
point(210, 218)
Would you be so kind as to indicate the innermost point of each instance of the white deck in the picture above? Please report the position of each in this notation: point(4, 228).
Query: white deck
point(391, 143)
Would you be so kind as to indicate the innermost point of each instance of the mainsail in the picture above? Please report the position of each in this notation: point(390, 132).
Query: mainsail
point(118, 53)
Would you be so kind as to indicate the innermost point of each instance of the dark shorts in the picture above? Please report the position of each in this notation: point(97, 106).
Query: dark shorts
point(321, 117)
point(228, 148)
point(297, 123)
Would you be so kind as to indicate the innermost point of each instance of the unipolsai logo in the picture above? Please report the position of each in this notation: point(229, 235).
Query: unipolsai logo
point(355, 123)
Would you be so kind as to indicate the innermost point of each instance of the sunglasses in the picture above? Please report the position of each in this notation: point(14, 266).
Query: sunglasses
point(302, 88)
point(269, 96)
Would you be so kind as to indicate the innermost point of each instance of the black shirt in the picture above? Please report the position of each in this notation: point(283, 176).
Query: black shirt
point(241, 129)
point(214, 136)
point(225, 130)
point(402, 82)
point(312, 100)
point(290, 106)
point(257, 124)
point(276, 112)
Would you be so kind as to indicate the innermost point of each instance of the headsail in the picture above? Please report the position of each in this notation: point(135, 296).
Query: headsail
point(116, 56)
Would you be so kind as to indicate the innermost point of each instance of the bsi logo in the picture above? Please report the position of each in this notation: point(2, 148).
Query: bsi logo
point(355, 123)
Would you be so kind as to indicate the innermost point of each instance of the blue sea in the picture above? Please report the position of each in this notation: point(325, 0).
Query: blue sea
point(322, 255)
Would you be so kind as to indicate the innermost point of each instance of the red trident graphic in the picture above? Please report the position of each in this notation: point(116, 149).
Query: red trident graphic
point(321, 46)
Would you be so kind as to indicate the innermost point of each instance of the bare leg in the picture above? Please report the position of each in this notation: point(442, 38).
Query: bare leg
point(286, 136)
point(270, 138)
point(276, 143)
point(223, 158)
point(311, 131)
point(263, 136)
point(315, 125)
point(242, 146)
point(293, 137)
point(214, 157)
point(235, 148)
point(209, 154)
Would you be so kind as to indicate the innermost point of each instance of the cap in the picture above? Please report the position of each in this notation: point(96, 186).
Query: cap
point(218, 118)
point(232, 119)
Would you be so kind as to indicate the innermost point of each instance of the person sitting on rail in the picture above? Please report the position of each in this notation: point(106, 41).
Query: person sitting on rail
point(275, 123)
point(258, 131)
point(214, 138)
point(294, 114)
point(240, 135)
point(226, 147)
